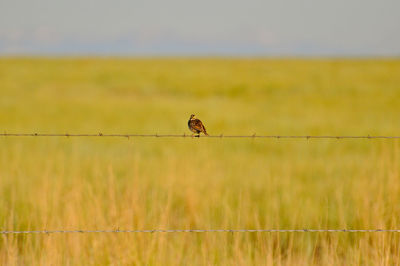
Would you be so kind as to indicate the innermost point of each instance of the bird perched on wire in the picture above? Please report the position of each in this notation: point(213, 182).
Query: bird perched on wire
point(196, 126)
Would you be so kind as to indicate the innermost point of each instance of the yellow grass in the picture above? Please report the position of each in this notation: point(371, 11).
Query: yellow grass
point(99, 183)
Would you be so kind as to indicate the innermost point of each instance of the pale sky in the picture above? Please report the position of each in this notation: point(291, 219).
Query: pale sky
point(206, 27)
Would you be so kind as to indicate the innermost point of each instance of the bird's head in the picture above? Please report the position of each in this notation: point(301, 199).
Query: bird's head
point(191, 116)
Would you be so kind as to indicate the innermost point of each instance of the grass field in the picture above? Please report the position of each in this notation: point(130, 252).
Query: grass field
point(157, 183)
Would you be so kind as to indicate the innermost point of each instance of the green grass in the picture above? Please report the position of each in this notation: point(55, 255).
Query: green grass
point(157, 183)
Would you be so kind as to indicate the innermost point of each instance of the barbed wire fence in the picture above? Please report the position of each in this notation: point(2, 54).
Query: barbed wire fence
point(253, 136)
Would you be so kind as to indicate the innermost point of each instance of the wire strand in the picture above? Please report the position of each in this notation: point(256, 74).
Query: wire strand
point(306, 137)
point(208, 231)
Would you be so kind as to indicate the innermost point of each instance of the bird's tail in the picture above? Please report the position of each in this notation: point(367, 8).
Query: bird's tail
point(205, 133)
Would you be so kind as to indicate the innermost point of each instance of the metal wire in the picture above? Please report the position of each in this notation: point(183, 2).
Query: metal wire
point(209, 231)
point(307, 137)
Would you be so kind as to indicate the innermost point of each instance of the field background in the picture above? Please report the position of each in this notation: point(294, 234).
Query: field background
point(157, 183)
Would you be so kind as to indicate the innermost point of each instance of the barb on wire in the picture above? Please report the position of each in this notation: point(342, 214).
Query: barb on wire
point(252, 136)
point(208, 231)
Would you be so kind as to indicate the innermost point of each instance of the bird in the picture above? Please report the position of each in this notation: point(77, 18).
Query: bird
point(196, 126)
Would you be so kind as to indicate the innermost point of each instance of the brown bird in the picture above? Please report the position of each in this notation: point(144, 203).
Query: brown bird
point(196, 126)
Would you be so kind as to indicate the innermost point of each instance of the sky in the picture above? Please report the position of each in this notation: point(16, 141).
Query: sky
point(206, 27)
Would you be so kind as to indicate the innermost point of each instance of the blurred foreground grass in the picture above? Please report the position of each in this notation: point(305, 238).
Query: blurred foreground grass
point(78, 183)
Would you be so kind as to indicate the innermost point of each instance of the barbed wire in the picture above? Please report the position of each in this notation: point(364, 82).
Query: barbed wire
point(253, 136)
point(208, 231)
